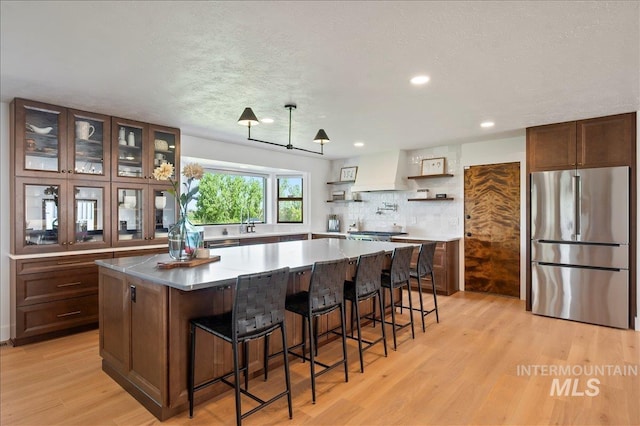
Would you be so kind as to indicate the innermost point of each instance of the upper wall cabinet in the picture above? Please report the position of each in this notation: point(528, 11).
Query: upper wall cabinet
point(138, 148)
point(596, 142)
point(59, 142)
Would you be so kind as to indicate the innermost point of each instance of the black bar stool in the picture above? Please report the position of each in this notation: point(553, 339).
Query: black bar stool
point(258, 310)
point(398, 277)
point(325, 295)
point(365, 286)
point(424, 267)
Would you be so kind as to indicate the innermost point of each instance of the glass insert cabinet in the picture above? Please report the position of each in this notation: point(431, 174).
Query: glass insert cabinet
point(142, 213)
point(62, 142)
point(84, 180)
point(138, 148)
point(61, 215)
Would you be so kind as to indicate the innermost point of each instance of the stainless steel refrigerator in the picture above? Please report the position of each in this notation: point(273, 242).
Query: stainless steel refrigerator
point(580, 245)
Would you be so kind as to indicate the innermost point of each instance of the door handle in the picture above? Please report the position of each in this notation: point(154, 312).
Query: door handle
point(468, 216)
point(469, 234)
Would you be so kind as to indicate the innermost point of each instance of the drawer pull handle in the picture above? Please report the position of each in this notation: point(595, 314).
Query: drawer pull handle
point(68, 314)
point(69, 284)
point(71, 262)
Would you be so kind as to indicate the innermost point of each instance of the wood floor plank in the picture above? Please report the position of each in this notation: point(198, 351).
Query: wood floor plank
point(461, 371)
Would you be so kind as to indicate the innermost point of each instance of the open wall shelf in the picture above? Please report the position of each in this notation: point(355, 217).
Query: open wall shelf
point(430, 176)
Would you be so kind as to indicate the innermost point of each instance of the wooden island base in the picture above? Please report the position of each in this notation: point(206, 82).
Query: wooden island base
point(144, 338)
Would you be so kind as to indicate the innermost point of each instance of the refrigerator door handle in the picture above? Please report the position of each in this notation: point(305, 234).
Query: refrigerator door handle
point(577, 205)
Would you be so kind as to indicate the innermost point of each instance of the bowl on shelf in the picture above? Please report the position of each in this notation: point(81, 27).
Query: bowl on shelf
point(161, 145)
point(39, 130)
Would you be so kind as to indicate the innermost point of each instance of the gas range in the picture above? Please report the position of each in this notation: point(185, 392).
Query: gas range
point(373, 235)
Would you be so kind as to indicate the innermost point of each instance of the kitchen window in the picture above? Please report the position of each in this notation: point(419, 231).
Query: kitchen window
point(290, 205)
point(227, 197)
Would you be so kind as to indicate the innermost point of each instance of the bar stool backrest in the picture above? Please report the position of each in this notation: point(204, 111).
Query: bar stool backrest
point(401, 264)
point(368, 273)
point(259, 302)
point(425, 258)
point(326, 288)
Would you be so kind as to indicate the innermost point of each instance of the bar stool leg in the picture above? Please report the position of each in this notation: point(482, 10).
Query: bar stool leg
point(435, 299)
point(312, 360)
point(355, 307)
point(343, 323)
point(192, 367)
point(421, 304)
point(245, 356)
point(384, 335)
point(265, 360)
point(287, 375)
point(413, 333)
point(393, 316)
point(236, 379)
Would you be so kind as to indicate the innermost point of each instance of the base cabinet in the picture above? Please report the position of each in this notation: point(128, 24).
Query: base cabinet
point(53, 296)
point(133, 339)
point(445, 266)
point(56, 296)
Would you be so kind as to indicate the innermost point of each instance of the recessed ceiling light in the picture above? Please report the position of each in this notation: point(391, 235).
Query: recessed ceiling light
point(267, 120)
point(358, 144)
point(420, 79)
point(487, 124)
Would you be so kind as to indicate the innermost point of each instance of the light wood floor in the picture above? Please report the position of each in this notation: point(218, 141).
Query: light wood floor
point(461, 371)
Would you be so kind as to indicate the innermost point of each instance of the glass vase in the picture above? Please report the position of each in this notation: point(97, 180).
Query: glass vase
point(184, 239)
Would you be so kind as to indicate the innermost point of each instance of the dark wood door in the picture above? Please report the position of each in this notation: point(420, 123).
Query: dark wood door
point(492, 228)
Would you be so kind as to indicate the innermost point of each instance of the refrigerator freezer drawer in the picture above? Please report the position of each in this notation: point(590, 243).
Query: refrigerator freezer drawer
point(595, 296)
point(601, 256)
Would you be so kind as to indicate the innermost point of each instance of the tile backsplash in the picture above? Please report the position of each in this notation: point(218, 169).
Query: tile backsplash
point(376, 210)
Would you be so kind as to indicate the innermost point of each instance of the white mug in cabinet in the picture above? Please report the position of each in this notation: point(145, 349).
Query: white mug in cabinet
point(131, 139)
point(84, 130)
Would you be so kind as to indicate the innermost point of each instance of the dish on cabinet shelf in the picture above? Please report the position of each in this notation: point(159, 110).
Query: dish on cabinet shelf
point(161, 145)
point(39, 130)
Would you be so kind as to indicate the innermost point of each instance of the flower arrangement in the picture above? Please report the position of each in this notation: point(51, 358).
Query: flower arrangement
point(183, 237)
point(191, 171)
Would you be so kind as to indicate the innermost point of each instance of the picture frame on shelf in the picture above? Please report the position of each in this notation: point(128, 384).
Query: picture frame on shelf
point(348, 173)
point(432, 166)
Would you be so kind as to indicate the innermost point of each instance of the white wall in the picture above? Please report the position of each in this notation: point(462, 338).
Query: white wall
point(426, 219)
point(5, 306)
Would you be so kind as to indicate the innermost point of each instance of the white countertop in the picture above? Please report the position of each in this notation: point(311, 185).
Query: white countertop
point(209, 237)
point(234, 261)
point(431, 237)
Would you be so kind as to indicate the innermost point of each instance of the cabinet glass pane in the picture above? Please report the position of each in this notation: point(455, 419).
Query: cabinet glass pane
point(41, 145)
point(89, 214)
point(164, 212)
point(89, 146)
point(129, 151)
point(164, 145)
point(130, 214)
point(41, 214)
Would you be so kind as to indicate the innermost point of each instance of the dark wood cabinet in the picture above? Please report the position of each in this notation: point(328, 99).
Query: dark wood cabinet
point(54, 296)
point(79, 180)
point(606, 141)
point(141, 213)
point(596, 142)
point(445, 266)
point(133, 340)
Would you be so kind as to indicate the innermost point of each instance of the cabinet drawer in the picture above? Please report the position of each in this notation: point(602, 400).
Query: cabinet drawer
point(58, 263)
point(33, 320)
point(59, 285)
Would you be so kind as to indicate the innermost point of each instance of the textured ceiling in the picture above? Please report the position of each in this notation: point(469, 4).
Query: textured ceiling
point(196, 65)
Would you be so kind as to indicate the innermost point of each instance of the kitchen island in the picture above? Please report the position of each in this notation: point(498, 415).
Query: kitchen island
point(145, 311)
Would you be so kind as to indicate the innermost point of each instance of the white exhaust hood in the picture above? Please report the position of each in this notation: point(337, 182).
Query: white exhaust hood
point(382, 172)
